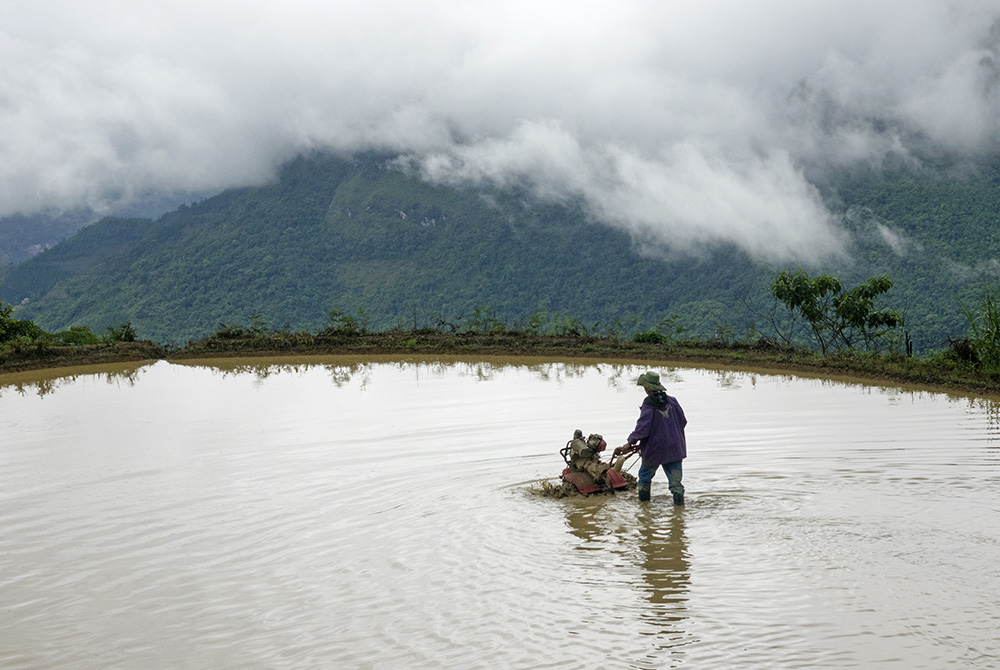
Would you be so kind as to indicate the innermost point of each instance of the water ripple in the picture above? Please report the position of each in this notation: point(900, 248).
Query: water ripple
point(387, 521)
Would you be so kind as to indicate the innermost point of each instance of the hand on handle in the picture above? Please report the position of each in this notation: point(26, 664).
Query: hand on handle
point(624, 449)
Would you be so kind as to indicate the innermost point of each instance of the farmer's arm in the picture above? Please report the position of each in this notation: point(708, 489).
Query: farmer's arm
point(641, 432)
point(643, 426)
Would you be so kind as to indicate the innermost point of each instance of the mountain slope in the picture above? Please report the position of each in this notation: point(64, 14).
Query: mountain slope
point(354, 233)
point(338, 233)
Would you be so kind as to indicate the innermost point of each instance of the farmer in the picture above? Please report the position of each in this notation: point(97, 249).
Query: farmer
point(659, 437)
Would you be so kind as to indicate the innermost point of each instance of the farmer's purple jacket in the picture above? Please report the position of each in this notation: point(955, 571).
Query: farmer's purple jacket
point(659, 432)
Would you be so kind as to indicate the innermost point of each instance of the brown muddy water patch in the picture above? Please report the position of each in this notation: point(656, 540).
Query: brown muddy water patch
point(378, 513)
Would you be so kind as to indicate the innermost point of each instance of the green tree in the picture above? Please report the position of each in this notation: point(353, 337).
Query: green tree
point(13, 329)
point(76, 335)
point(857, 317)
point(838, 318)
point(123, 333)
point(5, 311)
point(344, 323)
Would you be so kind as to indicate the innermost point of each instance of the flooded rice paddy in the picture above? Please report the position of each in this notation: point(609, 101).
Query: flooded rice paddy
point(336, 513)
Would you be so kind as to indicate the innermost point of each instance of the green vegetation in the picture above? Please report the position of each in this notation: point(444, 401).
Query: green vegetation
point(12, 329)
point(982, 346)
point(21, 339)
point(342, 323)
point(839, 319)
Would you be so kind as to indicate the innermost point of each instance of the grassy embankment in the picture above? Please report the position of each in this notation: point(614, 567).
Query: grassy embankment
point(938, 372)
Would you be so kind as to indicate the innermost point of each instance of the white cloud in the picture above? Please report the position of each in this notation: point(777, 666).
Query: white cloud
point(688, 124)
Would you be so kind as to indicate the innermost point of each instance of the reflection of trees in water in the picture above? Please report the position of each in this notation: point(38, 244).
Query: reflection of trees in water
point(623, 376)
point(730, 379)
point(557, 372)
point(259, 370)
point(343, 373)
point(480, 371)
point(43, 386)
point(340, 373)
point(990, 411)
point(618, 375)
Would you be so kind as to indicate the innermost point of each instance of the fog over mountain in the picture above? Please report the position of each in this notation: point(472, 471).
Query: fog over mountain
point(688, 124)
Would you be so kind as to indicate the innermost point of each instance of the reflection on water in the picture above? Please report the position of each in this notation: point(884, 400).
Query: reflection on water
point(44, 382)
point(649, 542)
point(377, 513)
point(665, 569)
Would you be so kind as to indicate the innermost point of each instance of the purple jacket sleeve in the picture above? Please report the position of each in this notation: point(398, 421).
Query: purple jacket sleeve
point(642, 426)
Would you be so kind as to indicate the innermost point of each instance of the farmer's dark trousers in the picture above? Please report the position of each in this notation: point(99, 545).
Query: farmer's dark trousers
point(674, 475)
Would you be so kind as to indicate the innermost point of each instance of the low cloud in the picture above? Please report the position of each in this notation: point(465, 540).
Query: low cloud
point(681, 199)
point(688, 125)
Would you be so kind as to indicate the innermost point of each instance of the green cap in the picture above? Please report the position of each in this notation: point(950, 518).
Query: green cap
point(650, 381)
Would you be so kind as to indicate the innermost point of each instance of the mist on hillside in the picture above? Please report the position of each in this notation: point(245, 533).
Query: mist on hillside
point(687, 124)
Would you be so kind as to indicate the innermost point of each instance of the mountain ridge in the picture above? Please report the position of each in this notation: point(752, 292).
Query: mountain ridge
point(354, 233)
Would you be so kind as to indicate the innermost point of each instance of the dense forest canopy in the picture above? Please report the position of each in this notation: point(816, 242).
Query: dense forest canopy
point(356, 233)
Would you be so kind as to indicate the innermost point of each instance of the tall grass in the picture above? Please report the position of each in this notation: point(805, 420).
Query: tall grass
point(984, 331)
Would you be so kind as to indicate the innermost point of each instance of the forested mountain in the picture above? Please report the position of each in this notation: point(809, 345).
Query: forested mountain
point(21, 237)
point(356, 233)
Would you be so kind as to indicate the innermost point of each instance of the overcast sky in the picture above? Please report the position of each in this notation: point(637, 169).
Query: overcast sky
point(687, 123)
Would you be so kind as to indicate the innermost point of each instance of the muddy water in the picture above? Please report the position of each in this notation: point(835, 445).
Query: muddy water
point(381, 514)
